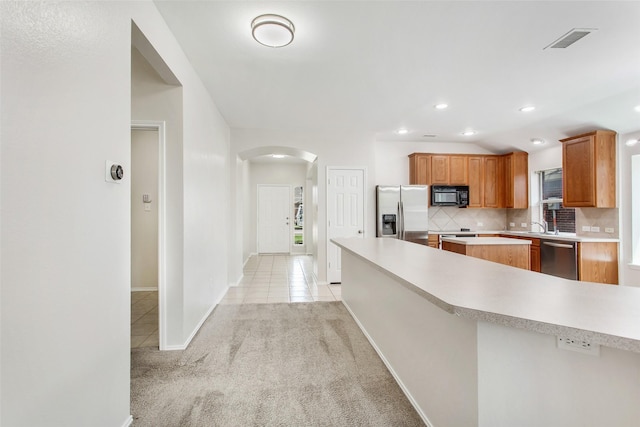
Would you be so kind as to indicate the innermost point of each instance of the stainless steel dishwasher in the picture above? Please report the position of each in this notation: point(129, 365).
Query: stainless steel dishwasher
point(559, 258)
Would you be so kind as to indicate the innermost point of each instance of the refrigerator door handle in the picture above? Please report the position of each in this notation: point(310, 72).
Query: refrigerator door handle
point(401, 218)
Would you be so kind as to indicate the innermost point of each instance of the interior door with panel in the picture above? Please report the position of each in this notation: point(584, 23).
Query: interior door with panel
point(274, 229)
point(345, 213)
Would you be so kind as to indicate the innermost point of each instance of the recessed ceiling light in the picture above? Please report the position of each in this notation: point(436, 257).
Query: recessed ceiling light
point(441, 106)
point(272, 30)
point(537, 141)
point(631, 142)
point(402, 131)
point(637, 108)
point(527, 108)
point(278, 156)
point(469, 132)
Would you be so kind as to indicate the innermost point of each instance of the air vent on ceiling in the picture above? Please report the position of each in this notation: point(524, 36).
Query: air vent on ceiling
point(429, 136)
point(570, 38)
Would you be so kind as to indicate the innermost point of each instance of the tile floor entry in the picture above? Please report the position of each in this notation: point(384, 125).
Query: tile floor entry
point(266, 279)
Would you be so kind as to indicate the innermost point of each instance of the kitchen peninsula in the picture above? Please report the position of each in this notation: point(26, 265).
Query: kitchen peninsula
point(473, 343)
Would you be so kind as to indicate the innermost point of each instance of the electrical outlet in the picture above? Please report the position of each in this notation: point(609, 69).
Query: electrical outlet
point(577, 345)
point(480, 224)
point(609, 230)
point(523, 224)
point(512, 224)
point(586, 228)
point(595, 229)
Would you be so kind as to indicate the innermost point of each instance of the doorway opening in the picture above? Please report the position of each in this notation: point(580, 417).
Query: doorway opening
point(148, 213)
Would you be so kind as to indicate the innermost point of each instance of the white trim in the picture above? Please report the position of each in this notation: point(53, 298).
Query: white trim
point(198, 326)
point(238, 281)
point(143, 288)
point(160, 127)
point(326, 206)
point(404, 389)
point(128, 421)
point(633, 266)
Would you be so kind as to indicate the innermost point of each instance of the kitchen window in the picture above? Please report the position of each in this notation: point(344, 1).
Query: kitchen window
point(551, 209)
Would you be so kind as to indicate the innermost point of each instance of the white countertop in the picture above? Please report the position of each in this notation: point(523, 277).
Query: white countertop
point(492, 292)
point(471, 241)
point(570, 237)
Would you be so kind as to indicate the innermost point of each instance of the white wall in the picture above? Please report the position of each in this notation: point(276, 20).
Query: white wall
point(65, 273)
point(144, 216)
point(293, 175)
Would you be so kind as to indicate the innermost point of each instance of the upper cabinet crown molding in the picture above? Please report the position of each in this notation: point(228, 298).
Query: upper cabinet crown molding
point(589, 170)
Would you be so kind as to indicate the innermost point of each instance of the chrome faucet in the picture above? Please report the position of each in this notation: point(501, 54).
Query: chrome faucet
point(544, 224)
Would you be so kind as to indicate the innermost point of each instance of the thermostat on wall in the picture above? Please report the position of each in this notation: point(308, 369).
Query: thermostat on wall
point(113, 172)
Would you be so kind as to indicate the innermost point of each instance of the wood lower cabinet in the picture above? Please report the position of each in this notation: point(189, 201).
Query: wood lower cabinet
point(598, 262)
point(513, 255)
point(433, 241)
point(534, 250)
point(589, 170)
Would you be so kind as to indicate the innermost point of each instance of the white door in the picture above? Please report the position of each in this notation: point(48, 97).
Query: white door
point(345, 213)
point(274, 207)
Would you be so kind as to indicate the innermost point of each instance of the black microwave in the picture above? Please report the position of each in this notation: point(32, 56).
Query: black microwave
point(447, 195)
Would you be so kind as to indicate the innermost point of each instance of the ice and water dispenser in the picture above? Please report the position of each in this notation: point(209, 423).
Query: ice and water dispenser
point(388, 225)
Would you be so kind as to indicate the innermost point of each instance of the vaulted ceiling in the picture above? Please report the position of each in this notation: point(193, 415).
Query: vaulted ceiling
point(377, 66)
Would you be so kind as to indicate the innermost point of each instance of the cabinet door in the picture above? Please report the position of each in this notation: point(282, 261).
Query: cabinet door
point(535, 258)
point(440, 170)
point(516, 184)
point(476, 181)
point(419, 169)
point(578, 169)
point(508, 180)
point(458, 171)
point(493, 182)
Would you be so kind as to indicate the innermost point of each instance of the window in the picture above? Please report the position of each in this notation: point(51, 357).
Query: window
point(551, 209)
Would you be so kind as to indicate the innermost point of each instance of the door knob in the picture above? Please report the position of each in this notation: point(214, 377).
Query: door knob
point(360, 231)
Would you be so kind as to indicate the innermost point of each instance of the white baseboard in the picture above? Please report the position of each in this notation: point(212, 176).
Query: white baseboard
point(128, 421)
point(143, 289)
point(390, 368)
point(198, 326)
point(238, 281)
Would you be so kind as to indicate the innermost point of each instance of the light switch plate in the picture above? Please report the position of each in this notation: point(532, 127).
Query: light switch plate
point(512, 224)
point(586, 228)
point(480, 224)
point(523, 224)
point(609, 230)
point(595, 229)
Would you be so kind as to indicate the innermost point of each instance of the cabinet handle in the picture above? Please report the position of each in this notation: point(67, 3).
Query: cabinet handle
point(558, 245)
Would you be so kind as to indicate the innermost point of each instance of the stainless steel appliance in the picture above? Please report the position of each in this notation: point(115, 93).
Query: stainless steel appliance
point(401, 212)
point(559, 258)
point(446, 195)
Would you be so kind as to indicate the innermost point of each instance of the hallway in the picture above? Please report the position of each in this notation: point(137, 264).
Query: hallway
point(280, 279)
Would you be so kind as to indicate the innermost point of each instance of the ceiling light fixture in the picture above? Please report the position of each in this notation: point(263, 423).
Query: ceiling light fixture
point(631, 142)
point(278, 156)
point(637, 108)
point(469, 132)
point(402, 131)
point(272, 30)
point(527, 108)
point(441, 106)
point(537, 141)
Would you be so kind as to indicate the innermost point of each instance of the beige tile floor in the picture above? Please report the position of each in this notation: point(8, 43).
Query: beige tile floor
point(266, 279)
point(280, 278)
point(144, 319)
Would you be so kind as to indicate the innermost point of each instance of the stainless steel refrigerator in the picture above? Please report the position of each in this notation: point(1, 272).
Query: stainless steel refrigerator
point(402, 212)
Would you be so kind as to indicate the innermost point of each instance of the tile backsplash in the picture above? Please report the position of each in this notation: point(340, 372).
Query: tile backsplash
point(450, 218)
point(597, 217)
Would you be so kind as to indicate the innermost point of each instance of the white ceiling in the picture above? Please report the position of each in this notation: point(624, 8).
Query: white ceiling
point(376, 66)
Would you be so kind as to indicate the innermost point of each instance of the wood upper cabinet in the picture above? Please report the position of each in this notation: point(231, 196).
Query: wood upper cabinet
point(458, 170)
point(589, 170)
point(476, 181)
point(419, 169)
point(493, 182)
point(440, 169)
point(516, 175)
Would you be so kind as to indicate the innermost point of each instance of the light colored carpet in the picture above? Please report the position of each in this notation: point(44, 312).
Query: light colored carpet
point(304, 364)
